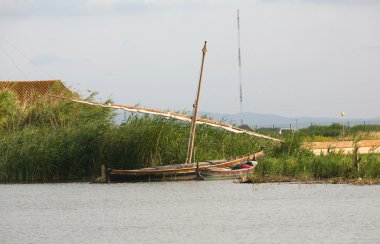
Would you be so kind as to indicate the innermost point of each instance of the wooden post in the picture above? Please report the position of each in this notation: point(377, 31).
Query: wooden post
point(312, 128)
point(195, 111)
point(356, 156)
point(103, 169)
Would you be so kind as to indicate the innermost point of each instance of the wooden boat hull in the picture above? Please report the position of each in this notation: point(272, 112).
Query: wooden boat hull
point(175, 176)
point(173, 172)
point(224, 174)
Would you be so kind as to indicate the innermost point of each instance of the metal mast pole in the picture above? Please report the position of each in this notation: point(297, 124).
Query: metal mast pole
point(240, 86)
point(195, 111)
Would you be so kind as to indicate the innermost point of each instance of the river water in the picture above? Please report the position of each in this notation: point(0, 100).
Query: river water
point(189, 212)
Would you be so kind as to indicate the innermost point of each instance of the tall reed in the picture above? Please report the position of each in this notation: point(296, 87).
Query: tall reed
point(144, 141)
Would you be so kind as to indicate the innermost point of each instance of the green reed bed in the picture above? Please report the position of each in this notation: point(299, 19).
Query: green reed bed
point(316, 168)
point(75, 152)
point(45, 154)
point(289, 162)
point(54, 140)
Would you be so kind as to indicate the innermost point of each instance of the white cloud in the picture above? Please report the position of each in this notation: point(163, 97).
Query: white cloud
point(47, 59)
point(102, 3)
point(164, 2)
point(10, 6)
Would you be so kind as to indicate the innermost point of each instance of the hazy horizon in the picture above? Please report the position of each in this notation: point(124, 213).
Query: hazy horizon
point(304, 58)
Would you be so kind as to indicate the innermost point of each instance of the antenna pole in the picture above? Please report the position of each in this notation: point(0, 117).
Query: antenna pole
point(240, 86)
point(195, 111)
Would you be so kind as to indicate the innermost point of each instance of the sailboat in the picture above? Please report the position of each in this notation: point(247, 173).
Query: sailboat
point(181, 171)
point(189, 170)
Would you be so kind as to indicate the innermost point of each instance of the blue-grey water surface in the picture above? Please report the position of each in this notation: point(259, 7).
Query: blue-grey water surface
point(189, 212)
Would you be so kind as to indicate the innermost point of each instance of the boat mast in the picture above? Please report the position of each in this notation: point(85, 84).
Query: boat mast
point(240, 86)
point(195, 111)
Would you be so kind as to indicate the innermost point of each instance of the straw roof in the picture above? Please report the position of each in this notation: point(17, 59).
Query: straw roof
point(27, 91)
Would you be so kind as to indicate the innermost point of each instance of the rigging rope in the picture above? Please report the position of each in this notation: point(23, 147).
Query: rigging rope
point(13, 62)
point(26, 57)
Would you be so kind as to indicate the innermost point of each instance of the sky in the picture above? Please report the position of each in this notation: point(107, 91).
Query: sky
point(312, 58)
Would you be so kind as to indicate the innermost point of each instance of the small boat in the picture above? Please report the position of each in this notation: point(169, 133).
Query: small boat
point(179, 171)
point(232, 172)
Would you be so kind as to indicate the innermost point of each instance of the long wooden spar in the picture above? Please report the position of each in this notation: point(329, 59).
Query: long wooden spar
point(190, 147)
point(172, 115)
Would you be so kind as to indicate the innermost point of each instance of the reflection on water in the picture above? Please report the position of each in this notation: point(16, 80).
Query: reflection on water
point(189, 212)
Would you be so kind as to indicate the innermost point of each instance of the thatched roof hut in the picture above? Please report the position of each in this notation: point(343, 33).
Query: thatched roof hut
point(28, 91)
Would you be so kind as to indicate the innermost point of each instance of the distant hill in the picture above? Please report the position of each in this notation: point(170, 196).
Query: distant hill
point(270, 120)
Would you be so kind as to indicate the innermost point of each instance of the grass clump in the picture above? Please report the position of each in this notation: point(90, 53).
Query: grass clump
point(290, 162)
point(50, 139)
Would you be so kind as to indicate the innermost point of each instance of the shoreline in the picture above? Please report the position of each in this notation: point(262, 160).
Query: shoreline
point(296, 180)
point(243, 180)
